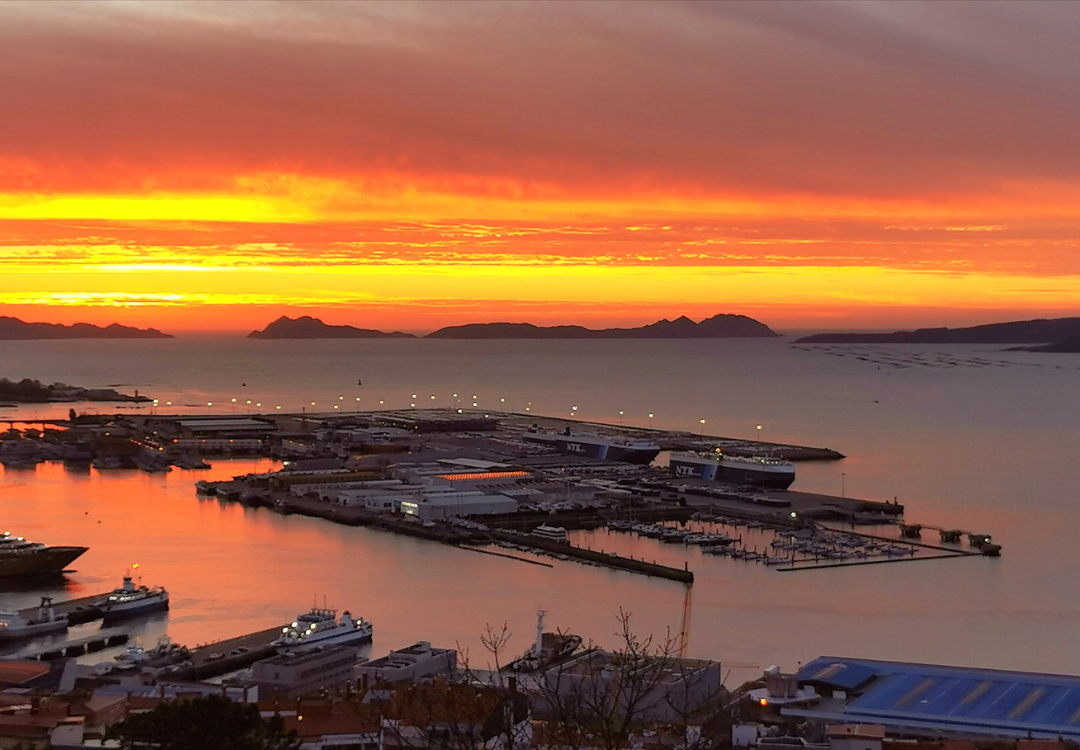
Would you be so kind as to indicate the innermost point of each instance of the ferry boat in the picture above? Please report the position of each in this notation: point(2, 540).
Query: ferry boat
point(607, 448)
point(130, 600)
point(22, 558)
point(551, 533)
point(13, 626)
point(752, 470)
point(320, 627)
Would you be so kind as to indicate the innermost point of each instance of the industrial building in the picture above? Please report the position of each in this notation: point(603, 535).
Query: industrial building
point(677, 689)
point(933, 701)
point(417, 662)
point(290, 675)
point(436, 505)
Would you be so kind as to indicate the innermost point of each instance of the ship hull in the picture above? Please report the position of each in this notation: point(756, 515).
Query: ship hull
point(732, 473)
point(779, 480)
point(48, 562)
point(32, 631)
point(602, 451)
point(583, 448)
point(115, 612)
point(355, 638)
point(681, 469)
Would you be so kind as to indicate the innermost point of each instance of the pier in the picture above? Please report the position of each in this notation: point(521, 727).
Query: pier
point(607, 559)
point(82, 610)
point(101, 640)
point(221, 657)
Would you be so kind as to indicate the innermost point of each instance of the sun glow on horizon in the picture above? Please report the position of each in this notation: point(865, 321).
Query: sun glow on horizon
point(428, 163)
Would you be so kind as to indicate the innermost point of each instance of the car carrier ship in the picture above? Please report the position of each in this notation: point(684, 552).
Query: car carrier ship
point(719, 467)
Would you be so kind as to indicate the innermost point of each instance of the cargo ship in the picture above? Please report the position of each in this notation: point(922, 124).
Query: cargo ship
point(21, 558)
point(602, 448)
point(718, 467)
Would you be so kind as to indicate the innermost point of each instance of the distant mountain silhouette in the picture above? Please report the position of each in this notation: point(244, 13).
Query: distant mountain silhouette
point(13, 329)
point(1016, 332)
point(1068, 346)
point(307, 327)
point(718, 326)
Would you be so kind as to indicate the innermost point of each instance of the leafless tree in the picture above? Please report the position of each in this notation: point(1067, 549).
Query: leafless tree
point(601, 698)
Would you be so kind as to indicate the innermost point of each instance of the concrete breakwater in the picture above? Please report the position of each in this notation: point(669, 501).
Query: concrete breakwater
point(607, 559)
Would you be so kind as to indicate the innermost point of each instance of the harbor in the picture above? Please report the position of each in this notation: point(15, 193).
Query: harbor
point(524, 496)
point(474, 477)
point(542, 495)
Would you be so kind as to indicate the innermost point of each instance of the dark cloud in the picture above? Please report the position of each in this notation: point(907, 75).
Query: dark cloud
point(891, 99)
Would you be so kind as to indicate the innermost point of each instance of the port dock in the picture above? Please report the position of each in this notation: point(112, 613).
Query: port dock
point(101, 640)
point(598, 557)
point(82, 610)
point(221, 657)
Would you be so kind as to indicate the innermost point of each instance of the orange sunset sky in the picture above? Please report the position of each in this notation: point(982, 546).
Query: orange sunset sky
point(815, 165)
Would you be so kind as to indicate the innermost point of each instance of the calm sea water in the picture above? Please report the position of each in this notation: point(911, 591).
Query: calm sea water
point(965, 436)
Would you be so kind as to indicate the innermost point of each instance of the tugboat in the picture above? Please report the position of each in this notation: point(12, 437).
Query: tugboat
point(320, 627)
point(13, 626)
point(549, 648)
point(130, 600)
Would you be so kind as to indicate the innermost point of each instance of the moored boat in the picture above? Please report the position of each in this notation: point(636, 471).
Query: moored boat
point(13, 626)
point(20, 557)
point(320, 627)
point(605, 448)
point(551, 533)
point(758, 471)
point(129, 600)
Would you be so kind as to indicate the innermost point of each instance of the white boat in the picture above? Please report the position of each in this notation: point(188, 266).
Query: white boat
point(551, 533)
point(130, 600)
point(320, 627)
point(13, 626)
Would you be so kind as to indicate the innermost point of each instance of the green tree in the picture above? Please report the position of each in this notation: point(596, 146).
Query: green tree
point(211, 723)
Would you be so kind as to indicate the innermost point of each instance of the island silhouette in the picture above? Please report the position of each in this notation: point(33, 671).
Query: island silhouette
point(14, 329)
point(718, 326)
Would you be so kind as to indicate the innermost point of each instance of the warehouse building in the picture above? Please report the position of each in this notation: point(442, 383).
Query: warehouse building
point(438, 505)
point(934, 701)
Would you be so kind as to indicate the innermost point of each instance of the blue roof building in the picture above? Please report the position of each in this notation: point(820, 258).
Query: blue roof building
point(927, 699)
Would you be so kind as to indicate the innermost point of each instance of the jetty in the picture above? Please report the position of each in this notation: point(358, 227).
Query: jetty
point(599, 557)
point(229, 655)
point(77, 647)
point(82, 610)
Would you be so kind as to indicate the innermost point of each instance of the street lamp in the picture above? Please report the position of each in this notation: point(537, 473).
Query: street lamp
point(650, 420)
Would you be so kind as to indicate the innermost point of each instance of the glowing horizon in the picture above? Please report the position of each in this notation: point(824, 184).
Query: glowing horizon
point(412, 166)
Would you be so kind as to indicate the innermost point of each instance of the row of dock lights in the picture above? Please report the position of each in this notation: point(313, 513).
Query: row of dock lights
point(574, 409)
